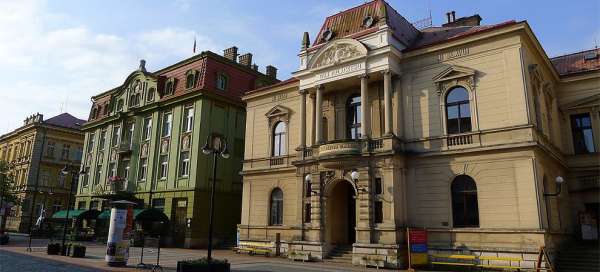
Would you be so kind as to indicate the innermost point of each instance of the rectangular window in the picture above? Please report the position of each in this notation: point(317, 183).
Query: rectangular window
point(184, 164)
point(113, 170)
point(307, 213)
point(147, 129)
point(98, 175)
point(65, 152)
point(116, 136)
point(188, 119)
point(102, 141)
point(143, 169)
point(45, 178)
point(583, 137)
point(378, 212)
point(78, 154)
point(50, 150)
point(126, 170)
point(86, 177)
point(91, 140)
point(129, 136)
point(81, 205)
point(159, 204)
point(56, 207)
point(164, 166)
point(166, 124)
point(94, 205)
point(378, 186)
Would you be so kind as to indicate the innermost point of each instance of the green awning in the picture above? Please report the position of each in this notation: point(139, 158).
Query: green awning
point(80, 214)
point(140, 214)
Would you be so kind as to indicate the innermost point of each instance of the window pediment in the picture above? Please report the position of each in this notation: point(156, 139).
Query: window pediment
point(278, 111)
point(455, 75)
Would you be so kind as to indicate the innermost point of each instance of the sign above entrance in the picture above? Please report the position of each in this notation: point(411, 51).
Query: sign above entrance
point(340, 71)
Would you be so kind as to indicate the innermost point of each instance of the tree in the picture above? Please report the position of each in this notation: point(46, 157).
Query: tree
point(7, 194)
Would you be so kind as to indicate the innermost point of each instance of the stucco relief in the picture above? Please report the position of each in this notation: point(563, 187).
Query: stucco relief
point(337, 52)
point(144, 152)
point(185, 142)
point(164, 146)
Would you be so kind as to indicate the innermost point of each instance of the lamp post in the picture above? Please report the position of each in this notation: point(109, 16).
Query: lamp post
point(215, 145)
point(559, 181)
point(74, 178)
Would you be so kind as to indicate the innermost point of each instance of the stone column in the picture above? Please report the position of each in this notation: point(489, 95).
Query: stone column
point(387, 99)
point(364, 107)
point(302, 118)
point(313, 115)
point(319, 115)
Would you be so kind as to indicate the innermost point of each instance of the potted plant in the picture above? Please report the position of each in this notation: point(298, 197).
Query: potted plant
point(77, 251)
point(202, 265)
point(53, 248)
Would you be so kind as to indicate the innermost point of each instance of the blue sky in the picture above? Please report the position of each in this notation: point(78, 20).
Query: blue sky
point(54, 55)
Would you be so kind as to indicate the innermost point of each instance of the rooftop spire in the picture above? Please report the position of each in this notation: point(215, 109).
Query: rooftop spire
point(305, 41)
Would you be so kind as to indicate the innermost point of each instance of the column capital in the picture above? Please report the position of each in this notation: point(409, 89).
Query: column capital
point(387, 72)
point(365, 76)
point(303, 91)
point(320, 87)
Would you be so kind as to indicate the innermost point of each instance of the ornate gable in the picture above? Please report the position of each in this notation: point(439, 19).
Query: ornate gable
point(455, 75)
point(338, 51)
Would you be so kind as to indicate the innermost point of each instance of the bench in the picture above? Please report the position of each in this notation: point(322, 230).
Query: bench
point(476, 261)
point(254, 248)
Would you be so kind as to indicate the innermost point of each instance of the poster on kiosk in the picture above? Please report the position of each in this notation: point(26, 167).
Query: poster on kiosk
point(119, 232)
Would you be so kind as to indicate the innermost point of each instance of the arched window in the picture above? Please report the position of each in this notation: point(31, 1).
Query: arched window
point(465, 210)
point(458, 111)
point(353, 115)
point(279, 146)
point(189, 81)
point(169, 87)
point(276, 211)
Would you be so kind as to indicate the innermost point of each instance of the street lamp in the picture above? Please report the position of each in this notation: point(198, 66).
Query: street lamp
point(559, 181)
point(74, 178)
point(218, 146)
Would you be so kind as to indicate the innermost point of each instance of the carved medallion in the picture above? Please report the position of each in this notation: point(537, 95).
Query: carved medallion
point(144, 152)
point(185, 142)
point(164, 146)
point(337, 54)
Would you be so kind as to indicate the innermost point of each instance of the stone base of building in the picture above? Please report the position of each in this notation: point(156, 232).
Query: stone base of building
point(379, 255)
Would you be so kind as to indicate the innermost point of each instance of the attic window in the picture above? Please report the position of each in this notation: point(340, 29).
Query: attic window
point(589, 56)
point(327, 34)
point(169, 86)
point(222, 82)
point(190, 79)
point(368, 21)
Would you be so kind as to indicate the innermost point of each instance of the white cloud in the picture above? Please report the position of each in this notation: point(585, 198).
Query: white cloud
point(46, 67)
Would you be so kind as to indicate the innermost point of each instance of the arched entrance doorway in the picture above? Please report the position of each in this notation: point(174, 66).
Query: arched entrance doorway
point(341, 214)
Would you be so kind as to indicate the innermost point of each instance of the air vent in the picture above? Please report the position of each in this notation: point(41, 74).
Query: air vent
point(368, 21)
point(327, 34)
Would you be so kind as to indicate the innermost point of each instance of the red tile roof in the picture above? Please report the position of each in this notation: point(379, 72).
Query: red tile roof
point(576, 62)
point(349, 23)
point(285, 82)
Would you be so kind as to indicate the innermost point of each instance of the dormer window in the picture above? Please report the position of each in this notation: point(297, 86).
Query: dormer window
point(120, 105)
point(190, 79)
point(169, 86)
point(150, 95)
point(222, 81)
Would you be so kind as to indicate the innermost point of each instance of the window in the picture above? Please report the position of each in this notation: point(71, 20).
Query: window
point(308, 190)
point(378, 209)
point(353, 115)
point(222, 82)
point(65, 152)
point(458, 111)
point(276, 211)
point(56, 207)
point(113, 170)
point(81, 205)
point(129, 136)
point(126, 168)
point(98, 174)
point(465, 210)
point(166, 125)
point(190, 80)
point(169, 86)
point(78, 154)
point(91, 141)
point(188, 119)
point(49, 150)
point(279, 146)
point(159, 204)
point(120, 105)
point(583, 137)
point(86, 177)
point(102, 141)
point(116, 136)
point(184, 164)
point(164, 166)
point(150, 95)
point(307, 213)
point(143, 171)
point(94, 205)
point(378, 186)
point(147, 129)
point(45, 178)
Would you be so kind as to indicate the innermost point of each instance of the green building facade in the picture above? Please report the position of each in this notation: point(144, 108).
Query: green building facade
point(145, 138)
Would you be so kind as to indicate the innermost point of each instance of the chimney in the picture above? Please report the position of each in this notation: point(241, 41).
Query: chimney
point(271, 71)
point(474, 20)
point(231, 53)
point(448, 18)
point(246, 59)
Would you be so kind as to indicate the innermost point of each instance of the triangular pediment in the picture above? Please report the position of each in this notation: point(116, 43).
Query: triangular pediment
point(587, 102)
point(277, 111)
point(454, 72)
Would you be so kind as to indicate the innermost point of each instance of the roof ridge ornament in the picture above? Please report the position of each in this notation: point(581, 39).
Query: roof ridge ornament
point(142, 65)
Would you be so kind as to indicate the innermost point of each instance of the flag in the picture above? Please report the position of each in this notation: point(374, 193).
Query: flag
point(194, 50)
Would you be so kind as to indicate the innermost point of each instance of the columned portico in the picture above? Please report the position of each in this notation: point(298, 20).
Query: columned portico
point(302, 119)
point(364, 107)
point(387, 99)
point(319, 115)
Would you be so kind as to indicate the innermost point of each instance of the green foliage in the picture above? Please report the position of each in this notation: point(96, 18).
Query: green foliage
point(6, 184)
point(204, 260)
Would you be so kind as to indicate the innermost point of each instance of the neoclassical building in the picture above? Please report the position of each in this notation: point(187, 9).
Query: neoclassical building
point(461, 129)
point(145, 137)
point(36, 152)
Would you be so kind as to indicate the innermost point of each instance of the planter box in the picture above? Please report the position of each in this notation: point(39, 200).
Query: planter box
point(203, 267)
point(53, 249)
point(78, 251)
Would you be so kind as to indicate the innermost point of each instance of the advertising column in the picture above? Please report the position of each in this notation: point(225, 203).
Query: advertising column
point(121, 222)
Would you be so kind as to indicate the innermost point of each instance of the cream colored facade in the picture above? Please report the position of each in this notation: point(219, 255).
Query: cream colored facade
point(511, 154)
